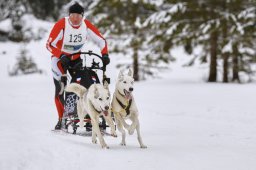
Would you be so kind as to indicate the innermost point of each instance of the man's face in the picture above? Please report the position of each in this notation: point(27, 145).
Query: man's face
point(75, 18)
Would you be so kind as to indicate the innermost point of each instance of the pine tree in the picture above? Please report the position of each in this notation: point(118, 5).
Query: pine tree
point(24, 65)
point(48, 10)
point(18, 10)
point(123, 22)
point(224, 29)
point(6, 7)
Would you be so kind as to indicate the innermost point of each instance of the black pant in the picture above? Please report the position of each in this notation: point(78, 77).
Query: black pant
point(59, 98)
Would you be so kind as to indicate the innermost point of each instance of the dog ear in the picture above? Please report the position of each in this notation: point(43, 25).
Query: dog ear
point(105, 85)
point(130, 73)
point(96, 92)
point(120, 76)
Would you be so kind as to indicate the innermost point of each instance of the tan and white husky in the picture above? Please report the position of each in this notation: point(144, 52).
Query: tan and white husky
point(124, 107)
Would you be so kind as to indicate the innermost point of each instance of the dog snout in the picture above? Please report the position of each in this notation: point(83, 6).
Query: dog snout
point(130, 89)
point(106, 107)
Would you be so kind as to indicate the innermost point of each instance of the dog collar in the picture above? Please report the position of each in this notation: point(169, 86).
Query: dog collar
point(121, 93)
point(94, 107)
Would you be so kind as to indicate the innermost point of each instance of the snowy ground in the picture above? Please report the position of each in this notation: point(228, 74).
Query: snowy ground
point(187, 124)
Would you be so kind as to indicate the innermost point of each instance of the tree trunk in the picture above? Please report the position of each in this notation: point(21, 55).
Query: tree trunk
point(135, 44)
point(226, 54)
point(135, 65)
point(235, 64)
point(225, 67)
point(213, 60)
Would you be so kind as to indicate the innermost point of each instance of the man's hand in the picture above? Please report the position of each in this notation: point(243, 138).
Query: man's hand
point(64, 61)
point(105, 59)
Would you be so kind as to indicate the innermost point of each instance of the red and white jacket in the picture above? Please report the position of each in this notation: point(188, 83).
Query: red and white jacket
point(67, 39)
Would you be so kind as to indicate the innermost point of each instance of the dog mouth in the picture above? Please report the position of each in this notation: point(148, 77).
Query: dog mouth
point(127, 94)
point(105, 112)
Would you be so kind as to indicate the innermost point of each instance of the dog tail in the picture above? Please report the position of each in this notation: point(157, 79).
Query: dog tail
point(76, 88)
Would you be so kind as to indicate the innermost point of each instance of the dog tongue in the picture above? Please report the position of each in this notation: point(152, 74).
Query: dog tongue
point(128, 97)
point(105, 113)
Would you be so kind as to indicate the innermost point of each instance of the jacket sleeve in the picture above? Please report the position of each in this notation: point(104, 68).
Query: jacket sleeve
point(96, 37)
point(55, 39)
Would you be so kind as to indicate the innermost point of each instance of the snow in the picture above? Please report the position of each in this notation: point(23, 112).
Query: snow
point(227, 47)
point(5, 25)
point(137, 23)
point(172, 29)
point(186, 123)
point(247, 50)
point(206, 28)
point(176, 7)
point(157, 17)
point(154, 2)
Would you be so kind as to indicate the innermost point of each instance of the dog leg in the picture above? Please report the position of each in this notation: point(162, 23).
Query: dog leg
point(133, 125)
point(81, 114)
point(94, 140)
point(96, 129)
point(139, 136)
point(126, 126)
point(111, 124)
point(120, 128)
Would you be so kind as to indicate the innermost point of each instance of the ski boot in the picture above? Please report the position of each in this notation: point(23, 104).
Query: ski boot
point(58, 125)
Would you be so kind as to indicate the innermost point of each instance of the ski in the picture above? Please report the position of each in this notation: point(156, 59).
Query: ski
point(84, 133)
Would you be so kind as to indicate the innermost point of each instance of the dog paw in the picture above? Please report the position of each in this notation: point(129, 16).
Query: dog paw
point(114, 135)
point(123, 144)
point(94, 141)
point(143, 146)
point(105, 146)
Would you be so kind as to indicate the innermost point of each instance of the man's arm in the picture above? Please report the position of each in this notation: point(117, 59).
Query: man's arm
point(56, 35)
point(96, 37)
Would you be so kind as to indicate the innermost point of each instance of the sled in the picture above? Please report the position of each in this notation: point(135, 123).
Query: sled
point(85, 76)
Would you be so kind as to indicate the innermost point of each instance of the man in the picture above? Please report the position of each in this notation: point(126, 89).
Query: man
point(68, 36)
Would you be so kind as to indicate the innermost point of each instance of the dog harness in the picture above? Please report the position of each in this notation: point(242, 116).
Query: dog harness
point(125, 107)
point(99, 112)
point(94, 107)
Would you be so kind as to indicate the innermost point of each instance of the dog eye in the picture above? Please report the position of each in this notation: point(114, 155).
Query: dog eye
point(100, 99)
point(124, 82)
point(107, 98)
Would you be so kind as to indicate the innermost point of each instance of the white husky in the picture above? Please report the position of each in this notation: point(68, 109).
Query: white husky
point(95, 101)
point(124, 107)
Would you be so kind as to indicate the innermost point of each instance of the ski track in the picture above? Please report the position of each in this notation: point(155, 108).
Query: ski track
point(183, 129)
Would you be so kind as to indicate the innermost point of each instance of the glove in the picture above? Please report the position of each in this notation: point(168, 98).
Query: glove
point(105, 59)
point(64, 61)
